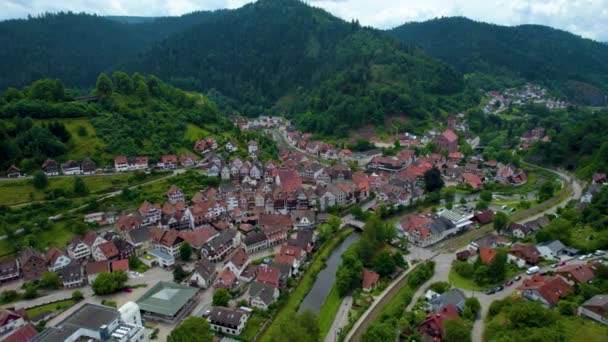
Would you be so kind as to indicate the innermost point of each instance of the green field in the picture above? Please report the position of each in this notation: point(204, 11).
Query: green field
point(22, 191)
point(567, 328)
point(328, 311)
point(578, 329)
point(306, 283)
point(57, 306)
point(463, 283)
point(469, 284)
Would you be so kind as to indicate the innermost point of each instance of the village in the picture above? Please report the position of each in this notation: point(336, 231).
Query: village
point(527, 94)
point(253, 235)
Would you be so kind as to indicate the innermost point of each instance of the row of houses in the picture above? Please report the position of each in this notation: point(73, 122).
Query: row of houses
point(31, 265)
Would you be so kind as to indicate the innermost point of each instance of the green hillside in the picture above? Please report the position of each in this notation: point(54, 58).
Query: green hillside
point(573, 65)
point(137, 115)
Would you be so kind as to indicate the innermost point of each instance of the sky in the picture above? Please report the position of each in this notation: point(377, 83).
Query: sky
point(588, 18)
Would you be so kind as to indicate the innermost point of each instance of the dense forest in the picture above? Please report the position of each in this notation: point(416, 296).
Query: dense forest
point(77, 47)
point(578, 140)
point(568, 63)
point(285, 55)
point(135, 115)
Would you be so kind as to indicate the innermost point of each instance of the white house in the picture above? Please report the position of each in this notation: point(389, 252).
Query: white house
point(93, 217)
point(77, 249)
point(262, 295)
point(231, 147)
point(56, 259)
point(204, 274)
point(550, 250)
point(71, 168)
point(227, 320)
point(252, 147)
point(121, 164)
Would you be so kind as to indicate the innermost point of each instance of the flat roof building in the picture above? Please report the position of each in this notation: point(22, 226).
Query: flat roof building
point(167, 301)
point(98, 323)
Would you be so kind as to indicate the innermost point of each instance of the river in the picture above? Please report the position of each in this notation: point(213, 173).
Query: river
point(327, 276)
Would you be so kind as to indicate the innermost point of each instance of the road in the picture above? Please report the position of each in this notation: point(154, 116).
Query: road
point(340, 320)
point(443, 264)
point(577, 192)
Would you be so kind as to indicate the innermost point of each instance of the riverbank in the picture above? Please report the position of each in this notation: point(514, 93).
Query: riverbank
point(308, 279)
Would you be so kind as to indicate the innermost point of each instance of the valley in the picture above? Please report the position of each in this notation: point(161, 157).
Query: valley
point(274, 170)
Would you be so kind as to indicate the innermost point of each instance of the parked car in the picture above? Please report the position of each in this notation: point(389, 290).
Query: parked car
point(499, 288)
point(509, 283)
point(533, 269)
point(517, 278)
point(561, 263)
point(590, 255)
point(127, 289)
point(555, 265)
point(599, 253)
point(582, 257)
point(490, 291)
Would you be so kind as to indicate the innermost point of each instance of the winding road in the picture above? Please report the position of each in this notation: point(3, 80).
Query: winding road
point(443, 262)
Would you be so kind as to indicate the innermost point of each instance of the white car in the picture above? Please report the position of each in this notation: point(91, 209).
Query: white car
point(582, 257)
point(599, 253)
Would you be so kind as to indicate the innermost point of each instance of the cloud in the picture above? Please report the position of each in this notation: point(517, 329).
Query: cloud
point(588, 18)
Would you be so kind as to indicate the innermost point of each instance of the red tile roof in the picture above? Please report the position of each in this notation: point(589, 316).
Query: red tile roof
point(449, 135)
point(168, 158)
point(120, 265)
point(487, 255)
point(225, 279)
point(240, 258)
point(552, 289)
point(95, 267)
point(370, 279)
point(272, 221)
point(198, 237)
point(165, 237)
point(473, 180)
point(577, 273)
point(526, 252)
point(23, 334)
point(284, 259)
point(433, 324)
point(269, 275)
point(109, 249)
point(484, 217)
point(52, 255)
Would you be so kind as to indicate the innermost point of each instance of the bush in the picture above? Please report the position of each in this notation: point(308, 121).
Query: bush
point(464, 269)
point(77, 295)
point(421, 275)
point(40, 180)
point(471, 308)
point(8, 296)
point(440, 286)
point(107, 283)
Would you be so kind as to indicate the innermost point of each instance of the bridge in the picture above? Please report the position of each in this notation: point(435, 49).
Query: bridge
point(353, 223)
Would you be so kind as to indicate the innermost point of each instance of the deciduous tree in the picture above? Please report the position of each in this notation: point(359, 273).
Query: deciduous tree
point(192, 329)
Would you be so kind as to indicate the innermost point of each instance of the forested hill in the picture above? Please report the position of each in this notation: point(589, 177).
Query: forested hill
point(77, 47)
point(296, 58)
point(567, 62)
